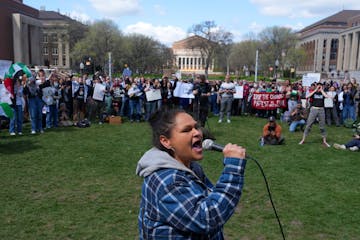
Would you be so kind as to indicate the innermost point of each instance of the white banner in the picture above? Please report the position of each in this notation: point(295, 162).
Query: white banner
point(239, 92)
point(309, 78)
point(153, 94)
point(184, 90)
point(99, 92)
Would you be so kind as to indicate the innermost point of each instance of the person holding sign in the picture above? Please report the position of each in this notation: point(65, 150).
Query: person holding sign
point(317, 110)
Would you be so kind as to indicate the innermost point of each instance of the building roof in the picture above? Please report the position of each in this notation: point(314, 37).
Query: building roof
point(52, 15)
point(340, 20)
point(189, 42)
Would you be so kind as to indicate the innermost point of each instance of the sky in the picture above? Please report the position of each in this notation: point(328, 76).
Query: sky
point(170, 20)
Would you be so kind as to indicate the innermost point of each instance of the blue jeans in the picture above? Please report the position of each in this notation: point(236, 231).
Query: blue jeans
point(52, 117)
point(150, 109)
point(214, 104)
point(294, 124)
point(348, 112)
point(135, 110)
point(17, 119)
point(35, 110)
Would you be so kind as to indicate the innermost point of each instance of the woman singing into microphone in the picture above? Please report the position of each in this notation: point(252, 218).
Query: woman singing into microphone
point(178, 201)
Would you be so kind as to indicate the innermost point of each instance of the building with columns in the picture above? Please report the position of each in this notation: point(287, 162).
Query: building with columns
point(332, 44)
point(189, 59)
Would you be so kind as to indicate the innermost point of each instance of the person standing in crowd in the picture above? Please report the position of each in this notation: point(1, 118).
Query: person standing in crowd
point(126, 72)
point(330, 107)
point(80, 91)
point(317, 111)
point(178, 201)
point(297, 117)
point(16, 123)
point(227, 91)
point(349, 108)
point(201, 92)
point(134, 102)
point(33, 93)
point(272, 133)
point(99, 102)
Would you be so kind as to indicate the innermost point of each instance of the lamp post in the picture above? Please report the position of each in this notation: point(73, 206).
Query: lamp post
point(81, 67)
point(276, 67)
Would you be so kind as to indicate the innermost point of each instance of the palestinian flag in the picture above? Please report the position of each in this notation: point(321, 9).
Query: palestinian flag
point(9, 85)
point(15, 68)
point(6, 110)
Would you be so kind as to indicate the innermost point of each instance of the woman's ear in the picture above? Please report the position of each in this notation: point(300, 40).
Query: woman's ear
point(165, 142)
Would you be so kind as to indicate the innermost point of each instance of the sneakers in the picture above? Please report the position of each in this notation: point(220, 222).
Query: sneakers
point(339, 146)
point(33, 132)
point(301, 142)
point(228, 121)
point(354, 148)
point(20, 133)
point(12, 134)
point(325, 144)
point(220, 121)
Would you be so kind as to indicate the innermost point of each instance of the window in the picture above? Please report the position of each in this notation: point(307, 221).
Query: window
point(64, 49)
point(45, 38)
point(64, 61)
point(54, 37)
point(55, 61)
point(54, 51)
point(45, 51)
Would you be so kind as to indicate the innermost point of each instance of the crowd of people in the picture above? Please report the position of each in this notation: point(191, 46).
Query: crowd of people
point(64, 100)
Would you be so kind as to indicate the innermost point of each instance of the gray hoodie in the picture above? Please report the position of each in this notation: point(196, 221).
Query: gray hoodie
point(155, 159)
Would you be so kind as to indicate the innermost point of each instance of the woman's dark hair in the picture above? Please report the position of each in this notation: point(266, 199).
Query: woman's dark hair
point(162, 122)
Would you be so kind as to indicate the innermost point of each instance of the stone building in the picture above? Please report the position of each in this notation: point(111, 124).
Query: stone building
point(55, 40)
point(332, 44)
point(36, 38)
point(189, 59)
point(21, 33)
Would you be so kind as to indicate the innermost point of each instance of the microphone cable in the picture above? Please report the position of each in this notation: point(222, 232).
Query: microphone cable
point(269, 193)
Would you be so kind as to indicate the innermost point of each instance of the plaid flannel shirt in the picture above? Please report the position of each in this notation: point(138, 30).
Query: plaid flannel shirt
point(176, 204)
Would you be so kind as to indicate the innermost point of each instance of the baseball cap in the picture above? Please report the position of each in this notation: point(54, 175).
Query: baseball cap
point(272, 119)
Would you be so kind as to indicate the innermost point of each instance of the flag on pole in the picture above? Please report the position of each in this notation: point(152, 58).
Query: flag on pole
point(6, 110)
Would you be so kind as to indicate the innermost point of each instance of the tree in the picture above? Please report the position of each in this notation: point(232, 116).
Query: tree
point(243, 55)
point(276, 43)
point(103, 37)
point(209, 43)
point(145, 54)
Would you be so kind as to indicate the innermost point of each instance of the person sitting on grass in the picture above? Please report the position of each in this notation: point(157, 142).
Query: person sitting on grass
point(352, 145)
point(272, 133)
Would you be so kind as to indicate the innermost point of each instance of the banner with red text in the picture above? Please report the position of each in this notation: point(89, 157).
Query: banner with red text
point(268, 101)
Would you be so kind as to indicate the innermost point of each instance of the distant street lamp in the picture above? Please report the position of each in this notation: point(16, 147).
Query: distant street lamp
point(81, 67)
point(276, 67)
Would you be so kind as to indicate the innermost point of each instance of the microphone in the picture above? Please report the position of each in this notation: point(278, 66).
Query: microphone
point(209, 144)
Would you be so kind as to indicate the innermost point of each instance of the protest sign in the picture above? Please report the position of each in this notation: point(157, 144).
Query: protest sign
point(184, 90)
point(99, 92)
point(153, 95)
point(309, 78)
point(269, 101)
point(239, 92)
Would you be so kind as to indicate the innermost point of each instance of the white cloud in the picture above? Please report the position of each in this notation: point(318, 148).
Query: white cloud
point(79, 16)
point(164, 34)
point(304, 8)
point(116, 8)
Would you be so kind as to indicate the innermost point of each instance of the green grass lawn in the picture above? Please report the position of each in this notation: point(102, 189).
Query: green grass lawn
point(73, 183)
